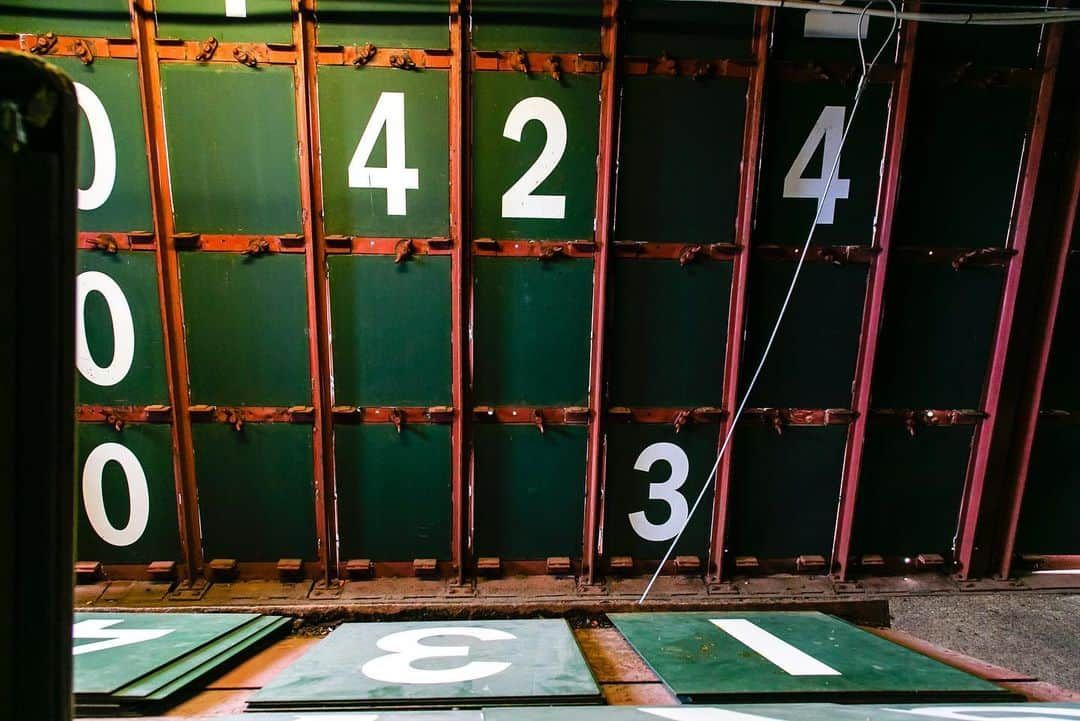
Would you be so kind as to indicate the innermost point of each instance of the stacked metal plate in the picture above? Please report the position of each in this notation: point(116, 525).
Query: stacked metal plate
point(451, 664)
point(134, 663)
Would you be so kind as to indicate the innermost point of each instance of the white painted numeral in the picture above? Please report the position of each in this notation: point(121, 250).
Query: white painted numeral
point(405, 647)
point(389, 112)
point(518, 201)
point(668, 492)
point(101, 137)
point(236, 8)
point(94, 499)
point(112, 637)
point(830, 127)
point(998, 712)
point(122, 325)
point(773, 649)
point(703, 714)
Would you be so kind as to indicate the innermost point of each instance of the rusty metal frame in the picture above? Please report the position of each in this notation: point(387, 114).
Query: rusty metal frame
point(1032, 412)
point(978, 465)
point(604, 209)
point(874, 302)
point(752, 136)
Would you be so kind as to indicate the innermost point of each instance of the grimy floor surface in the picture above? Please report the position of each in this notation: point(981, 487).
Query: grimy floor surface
point(1038, 634)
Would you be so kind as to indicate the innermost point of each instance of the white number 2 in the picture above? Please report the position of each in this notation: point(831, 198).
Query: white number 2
point(518, 201)
point(668, 492)
point(101, 137)
point(830, 127)
point(405, 647)
point(389, 112)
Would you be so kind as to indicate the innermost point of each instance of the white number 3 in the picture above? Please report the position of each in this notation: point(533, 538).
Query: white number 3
point(668, 492)
point(830, 127)
point(405, 647)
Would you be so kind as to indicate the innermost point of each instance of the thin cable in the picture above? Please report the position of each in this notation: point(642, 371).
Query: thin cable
point(790, 291)
point(1035, 17)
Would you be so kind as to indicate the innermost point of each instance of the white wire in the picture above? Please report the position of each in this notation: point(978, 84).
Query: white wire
point(1034, 17)
point(791, 288)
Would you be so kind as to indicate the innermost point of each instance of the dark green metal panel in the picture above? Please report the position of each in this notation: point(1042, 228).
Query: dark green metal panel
point(86, 18)
point(659, 312)
point(347, 100)
point(982, 46)
point(1061, 390)
point(910, 490)
point(126, 204)
point(796, 37)
point(482, 662)
point(936, 336)
point(246, 323)
point(256, 492)
point(232, 148)
point(401, 24)
point(531, 331)
point(796, 113)
point(537, 25)
point(388, 481)
point(812, 363)
point(499, 162)
point(1052, 495)
point(706, 30)
point(960, 172)
point(757, 712)
point(530, 491)
point(785, 489)
point(154, 493)
point(822, 658)
point(648, 468)
point(391, 330)
point(230, 21)
point(165, 638)
point(136, 275)
point(685, 189)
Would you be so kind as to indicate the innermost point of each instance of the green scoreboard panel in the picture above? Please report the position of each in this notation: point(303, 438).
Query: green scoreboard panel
point(424, 664)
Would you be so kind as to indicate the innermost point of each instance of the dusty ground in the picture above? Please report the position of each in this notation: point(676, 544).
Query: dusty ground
point(1038, 634)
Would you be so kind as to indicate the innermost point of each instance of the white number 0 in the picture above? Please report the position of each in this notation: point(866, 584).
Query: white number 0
point(101, 137)
point(830, 127)
point(389, 112)
point(518, 201)
point(94, 500)
point(668, 491)
point(122, 326)
point(405, 647)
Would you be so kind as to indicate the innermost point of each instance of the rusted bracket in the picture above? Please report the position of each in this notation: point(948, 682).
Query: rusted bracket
point(140, 237)
point(187, 241)
point(115, 421)
point(364, 54)
point(257, 247)
point(780, 417)
point(588, 63)
point(301, 414)
point(958, 258)
point(43, 44)
point(667, 65)
point(520, 61)
point(983, 256)
point(687, 564)
point(440, 243)
point(209, 47)
point(403, 250)
point(245, 56)
point(232, 417)
point(440, 414)
point(397, 418)
point(681, 419)
point(912, 418)
point(487, 244)
point(703, 70)
point(359, 568)
point(104, 242)
point(838, 255)
point(576, 415)
point(403, 61)
point(538, 420)
point(809, 562)
point(689, 254)
point(554, 67)
point(551, 252)
point(82, 51)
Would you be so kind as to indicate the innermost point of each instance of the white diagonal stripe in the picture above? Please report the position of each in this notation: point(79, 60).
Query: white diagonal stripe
point(777, 651)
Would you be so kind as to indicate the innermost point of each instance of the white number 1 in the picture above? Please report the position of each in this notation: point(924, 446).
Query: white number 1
point(389, 112)
point(236, 8)
point(830, 127)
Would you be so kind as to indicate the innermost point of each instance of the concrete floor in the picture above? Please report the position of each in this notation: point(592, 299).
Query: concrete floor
point(1037, 634)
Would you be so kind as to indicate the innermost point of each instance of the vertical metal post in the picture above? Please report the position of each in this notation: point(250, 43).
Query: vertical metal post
point(1028, 422)
point(318, 288)
point(873, 305)
point(752, 130)
point(984, 434)
point(459, 311)
point(605, 203)
point(172, 313)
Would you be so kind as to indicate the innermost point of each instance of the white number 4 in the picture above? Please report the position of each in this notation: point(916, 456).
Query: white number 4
point(830, 127)
point(395, 178)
